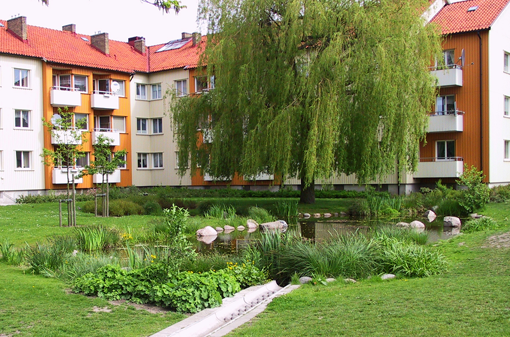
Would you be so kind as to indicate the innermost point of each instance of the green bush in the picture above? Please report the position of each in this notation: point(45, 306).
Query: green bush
point(119, 207)
point(477, 193)
point(450, 207)
point(96, 238)
point(152, 207)
point(481, 224)
point(260, 215)
point(500, 193)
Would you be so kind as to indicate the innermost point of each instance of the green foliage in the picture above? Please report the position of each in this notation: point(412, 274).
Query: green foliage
point(10, 255)
point(500, 193)
point(246, 273)
point(260, 215)
point(481, 224)
point(118, 207)
point(181, 248)
point(44, 259)
point(477, 193)
point(96, 238)
point(407, 235)
point(287, 210)
point(152, 207)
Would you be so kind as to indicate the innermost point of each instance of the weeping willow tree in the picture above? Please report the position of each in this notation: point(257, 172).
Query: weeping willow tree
point(310, 88)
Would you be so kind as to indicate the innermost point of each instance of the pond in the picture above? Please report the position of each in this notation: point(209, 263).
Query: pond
point(319, 230)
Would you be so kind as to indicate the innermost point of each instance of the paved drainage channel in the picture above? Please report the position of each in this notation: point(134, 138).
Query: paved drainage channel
point(234, 312)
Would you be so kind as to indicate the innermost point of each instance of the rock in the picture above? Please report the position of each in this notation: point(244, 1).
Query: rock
point(451, 221)
point(219, 229)
point(250, 223)
point(207, 231)
point(416, 224)
point(275, 225)
point(387, 277)
point(335, 214)
point(306, 215)
point(229, 229)
point(349, 280)
point(330, 279)
point(207, 239)
point(475, 216)
point(300, 215)
point(304, 279)
point(434, 208)
point(402, 224)
point(251, 230)
point(240, 228)
point(316, 215)
point(343, 214)
point(75, 252)
point(451, 231)
point(327, 215)
point(430, 215)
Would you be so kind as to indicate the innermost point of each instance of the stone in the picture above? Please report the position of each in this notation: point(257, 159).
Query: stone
point(275, 225)
point(207, 231)
point(240, 228)
point(330, 279)
point(349, 280)
point(250, 223)
point(451, 221)
point(387, 277)
point(343, 214)
point(229, 229)
point(304, 279)
point(219, 229)
point(416, 224)
point(207, 239)
point(402, 224)
point(327, 215)
point(430, 215)
point(306, 215)
point(316, 215)
point(335, 214)
point(475, 216)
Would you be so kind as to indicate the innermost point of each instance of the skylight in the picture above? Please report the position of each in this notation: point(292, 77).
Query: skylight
point(472, 9)
point(84, 39)
point(175, 44)
point(2, 25)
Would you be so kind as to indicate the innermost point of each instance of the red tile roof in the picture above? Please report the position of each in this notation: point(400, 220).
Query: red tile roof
point(455, 18)
point(185, 57)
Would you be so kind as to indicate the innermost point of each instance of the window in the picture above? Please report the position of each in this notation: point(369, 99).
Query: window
point(201, 84)
point(506, 112)
point(103, 123)
point(121, 86)
point(62, 82)
point(507, 152)
point(445, 105)
point(123, 157)
point(21, 119)
point(119, 124)
point(1, 161)
point(506, 66)
point(177, 164)
point(156, 91)
point(81, 121)
point(80, 83)
point(141, 91)
point(141, 126)
point(142, 160)
point(157, 125)
point(83, 161)
point(22, 159)
point(449, 58)
point(181, 88)
point(157, 160)
point(21, 78)
point(0, 118)
point(445, 149)
point(102, 87)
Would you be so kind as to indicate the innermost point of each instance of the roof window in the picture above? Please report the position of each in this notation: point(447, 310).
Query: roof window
point(175, 44)
point(1, 25)
point(85, 39)
point(472, 9)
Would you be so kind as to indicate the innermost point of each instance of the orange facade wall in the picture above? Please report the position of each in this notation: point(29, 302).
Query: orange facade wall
point(468, 100)
point(85, 108)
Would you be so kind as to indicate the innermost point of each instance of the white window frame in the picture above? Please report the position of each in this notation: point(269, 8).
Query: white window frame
point(181, 88)
point(157, 160)
point(157, 126)
point(446, 157)
point(25, 156)
point(506, 62)
point(86, 126)
point(1, 160)
point(85, 158)
point(140, 157)
point(122, 88)
point(123, 130)
point(122, 166)
point(97, 124)
point(156, 94)
point(139, 94)
point(177, 165)
point(86, 89)
point(21, 119)
point(207, 87)
point(506, 155)
point(108, 90)
point(139, 126)
point(442, 107)
point(506, 107)
point(0, 118)
point(18, 72)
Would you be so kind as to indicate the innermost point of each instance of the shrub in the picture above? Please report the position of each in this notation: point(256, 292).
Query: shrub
point(481, 224)
point(118, 207)
point(260, 215)
point(96, 238)
point(287, 209)
point(152, 207)
point(44, 259)
point(499, 193)
point(477, 193)
point(450, 207)
point(10, 255)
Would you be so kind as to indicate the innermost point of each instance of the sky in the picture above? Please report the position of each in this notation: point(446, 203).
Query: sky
point(121, 19)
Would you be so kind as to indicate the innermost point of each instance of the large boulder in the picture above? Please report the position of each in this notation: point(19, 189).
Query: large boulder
point(417, 224)
point(207, 231)
point(451, 221)
point(250, 223)
point(430, 215)
point(241, 228)
point(207, 239)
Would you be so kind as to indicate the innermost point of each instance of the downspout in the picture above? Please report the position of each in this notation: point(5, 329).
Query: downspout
point(481, 101)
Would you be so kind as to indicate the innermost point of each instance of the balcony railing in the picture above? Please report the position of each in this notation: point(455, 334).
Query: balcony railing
point(446, 121)
point(65, 96)
point(104, 100)
point(59, 175)
point(452, 167)
point(450, 76)
point(112, 135)
point(260, 176)
point(208, 177)
point(70, 137)
point(112, 178)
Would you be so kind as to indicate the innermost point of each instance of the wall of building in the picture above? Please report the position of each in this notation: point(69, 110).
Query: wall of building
point(14, 139)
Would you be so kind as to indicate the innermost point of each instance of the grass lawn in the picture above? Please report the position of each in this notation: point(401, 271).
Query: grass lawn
point(472, 299)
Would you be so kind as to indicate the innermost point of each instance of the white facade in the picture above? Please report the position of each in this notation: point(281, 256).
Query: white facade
point(153, 148)
point(499, 87)
point(21, 128)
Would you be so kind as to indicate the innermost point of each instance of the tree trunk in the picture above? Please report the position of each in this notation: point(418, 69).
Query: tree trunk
point(307, 193)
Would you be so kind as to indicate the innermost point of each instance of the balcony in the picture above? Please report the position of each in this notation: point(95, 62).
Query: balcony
point(112, 135)
point(70, 137)
point(450, 77)
point(440, 168)
point(260, 177)
point(447, 121)
point(65, 97)
point(112, 178)
point(208, 177)
point(207, 136)
point(104, 100)
point(59, 175)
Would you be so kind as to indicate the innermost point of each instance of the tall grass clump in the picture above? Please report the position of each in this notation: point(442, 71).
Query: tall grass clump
point(44, 259)
point(481, 224)
point(79, 264)
point(287, 210)
point(96, 238)
point(408, 235)
point(261, 215)
point(10, 254)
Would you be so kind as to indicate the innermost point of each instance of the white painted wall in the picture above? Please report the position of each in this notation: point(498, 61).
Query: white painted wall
point(15, 139)
point(499, 86)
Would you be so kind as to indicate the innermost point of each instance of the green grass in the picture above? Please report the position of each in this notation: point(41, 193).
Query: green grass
point(472, 299)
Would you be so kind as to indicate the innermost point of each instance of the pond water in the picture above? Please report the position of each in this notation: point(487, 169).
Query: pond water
point(319, 230)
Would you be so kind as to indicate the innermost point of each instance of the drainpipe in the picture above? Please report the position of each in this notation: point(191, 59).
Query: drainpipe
point(481, 102)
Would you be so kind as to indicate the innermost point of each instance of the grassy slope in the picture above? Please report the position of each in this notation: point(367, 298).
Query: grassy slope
point(472, 299)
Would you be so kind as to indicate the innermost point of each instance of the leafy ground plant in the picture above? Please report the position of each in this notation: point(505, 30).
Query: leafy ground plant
point(481, 224)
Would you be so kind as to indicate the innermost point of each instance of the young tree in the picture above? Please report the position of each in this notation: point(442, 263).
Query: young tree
point(105, 163)
point(68, 136)
point(310, 88)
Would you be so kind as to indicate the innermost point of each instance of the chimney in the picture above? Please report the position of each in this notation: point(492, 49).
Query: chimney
point(101, 42)
point(138, 43)
point(186, 35)
point(18, 26)
point(69, 28)
point(196, 38)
